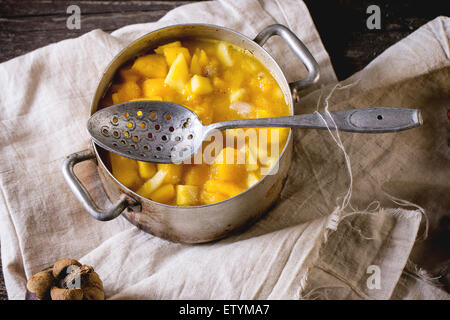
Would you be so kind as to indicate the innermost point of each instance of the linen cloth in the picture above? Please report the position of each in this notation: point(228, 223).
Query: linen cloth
point(304, 247)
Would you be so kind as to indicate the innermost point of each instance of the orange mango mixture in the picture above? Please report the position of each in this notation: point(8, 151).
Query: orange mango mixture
point(219, 82)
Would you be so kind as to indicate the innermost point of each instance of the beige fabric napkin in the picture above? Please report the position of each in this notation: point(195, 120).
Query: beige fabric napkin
point(300, 249)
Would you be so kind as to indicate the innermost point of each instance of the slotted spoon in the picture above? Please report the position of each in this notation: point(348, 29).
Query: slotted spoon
point(165, 132)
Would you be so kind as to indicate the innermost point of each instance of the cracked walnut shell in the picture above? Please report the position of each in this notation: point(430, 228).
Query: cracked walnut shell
point(67, 280)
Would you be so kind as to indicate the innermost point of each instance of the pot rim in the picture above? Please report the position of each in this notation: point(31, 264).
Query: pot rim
point(276, 164)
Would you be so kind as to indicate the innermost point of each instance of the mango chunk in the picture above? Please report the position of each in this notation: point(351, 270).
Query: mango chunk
point(152, 184)
point(178, 74)
point(199, 61)
point(151, 65)
point(127, 92)
point(124, 169)
point(187, 195)
point(219, 83)
point(155, 88)
point(129, 75)
point(229, 172)
point(196, 175)
point(163, 194)
point(160, 49)
point(195, 67)
point(211, 197)
point(227, 188)
point(203, 58)
point(146, 169)
point(174, 172)
point(115, 98)
point(171, 53)
point(223, 53)
point(200, 85)
point(238, 95)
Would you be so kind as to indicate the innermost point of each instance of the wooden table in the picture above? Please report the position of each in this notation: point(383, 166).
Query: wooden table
point(27, 25)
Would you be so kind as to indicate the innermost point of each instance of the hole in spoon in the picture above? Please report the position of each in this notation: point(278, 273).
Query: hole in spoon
point(380, 117)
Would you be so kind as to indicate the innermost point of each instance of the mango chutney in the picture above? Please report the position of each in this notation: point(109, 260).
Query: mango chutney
point(218, 81)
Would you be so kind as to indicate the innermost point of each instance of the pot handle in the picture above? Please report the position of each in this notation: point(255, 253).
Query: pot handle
point(81, 192)
point(299, 49)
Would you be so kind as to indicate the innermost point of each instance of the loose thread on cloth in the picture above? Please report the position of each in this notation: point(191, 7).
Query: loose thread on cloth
point(338, 213)
point(406, 203)
point(334, 218)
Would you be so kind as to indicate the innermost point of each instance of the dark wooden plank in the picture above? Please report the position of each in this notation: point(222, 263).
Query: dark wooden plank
point(350, 44)
point(34, 24)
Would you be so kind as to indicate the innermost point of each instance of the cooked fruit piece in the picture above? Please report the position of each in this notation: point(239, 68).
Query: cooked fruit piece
point(203, 58)
point(223, 53)
point(228, 166)
point(160, 49)
point(229, 172)
point(152, 184)
point(151, 65)
point(124, 169)
point(115, 98)
point(228, 188)
point(219, 83)
point(238, 95)
point(127, 92)
point(211, 197)
point(174, 172)
point(171, 53)
point(155, 87)
point(196, 175)
point(187, 195)
point(200, 85)
point(195, 67)
point(146, 169)
point(163, 194)
point(178, 74)
point(129, 75)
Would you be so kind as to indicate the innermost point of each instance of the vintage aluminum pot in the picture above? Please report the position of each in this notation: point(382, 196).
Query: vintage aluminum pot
point(198, 223)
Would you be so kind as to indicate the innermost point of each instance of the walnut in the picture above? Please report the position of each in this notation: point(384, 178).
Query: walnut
point(67, 280)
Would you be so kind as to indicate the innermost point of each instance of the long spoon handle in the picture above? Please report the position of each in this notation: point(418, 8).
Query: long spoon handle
point(369, 120)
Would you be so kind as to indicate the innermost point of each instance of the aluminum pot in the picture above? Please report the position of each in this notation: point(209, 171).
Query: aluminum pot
point(198, 223)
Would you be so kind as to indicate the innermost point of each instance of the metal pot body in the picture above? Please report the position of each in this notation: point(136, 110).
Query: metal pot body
point(199, 223)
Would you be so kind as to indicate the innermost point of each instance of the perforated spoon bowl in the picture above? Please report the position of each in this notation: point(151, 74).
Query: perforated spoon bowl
point(165, 132)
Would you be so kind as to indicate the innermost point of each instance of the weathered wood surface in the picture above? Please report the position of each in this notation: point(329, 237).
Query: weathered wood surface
point(27, 25)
